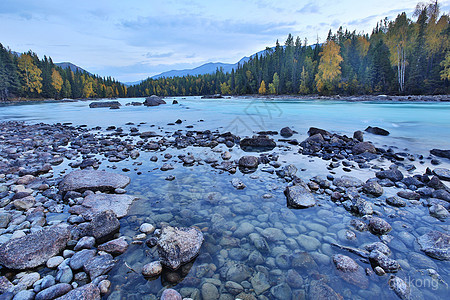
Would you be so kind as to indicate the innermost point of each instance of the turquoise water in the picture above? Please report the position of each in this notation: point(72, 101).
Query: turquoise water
point(203, 196)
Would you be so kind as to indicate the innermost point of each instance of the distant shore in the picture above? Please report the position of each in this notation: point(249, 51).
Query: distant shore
point(405, 98)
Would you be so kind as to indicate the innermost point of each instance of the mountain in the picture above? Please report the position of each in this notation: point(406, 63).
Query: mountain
point(71, 66)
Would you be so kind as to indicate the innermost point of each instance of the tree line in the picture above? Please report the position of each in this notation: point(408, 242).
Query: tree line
point(26, 76)
point(402, 56)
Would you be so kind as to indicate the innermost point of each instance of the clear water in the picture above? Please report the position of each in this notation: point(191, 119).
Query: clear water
point(204, 197)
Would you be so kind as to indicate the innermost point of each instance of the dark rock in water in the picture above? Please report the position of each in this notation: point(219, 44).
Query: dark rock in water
point(359, 136)
point(215, 96)
point(350, 271)
point(34, 249)
point(96, 203)
point(377, 130)
point(102, 225)
point(258, 143)
point(99, 265)
point(286, 132)
point(395, 201)
point(153, 101)
point(178, 245)
point(391, 174)
point(373, 188)
point(109, 104)
point(148, 134)
point(178, 121)
point(379, 226)
point(250, 162)
point(174, 102)
point(436, 183)
point(82, 180)
point(443, 174)
point(53, 291)
point(410, 195)
point(435, 244)
point(313, 131)
point(441, 194)
point(377, 258)
point(85, 292)
point(441, 153)
point(363, 147)
point(321, 291)
point(400, 287)
point(299, 196)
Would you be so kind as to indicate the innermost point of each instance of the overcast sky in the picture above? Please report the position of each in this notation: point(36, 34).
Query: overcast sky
point(133, 39)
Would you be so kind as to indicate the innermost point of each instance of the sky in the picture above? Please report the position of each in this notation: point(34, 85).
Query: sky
point(134, 39)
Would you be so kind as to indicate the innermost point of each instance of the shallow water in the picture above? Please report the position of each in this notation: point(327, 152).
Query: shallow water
point(203, 196)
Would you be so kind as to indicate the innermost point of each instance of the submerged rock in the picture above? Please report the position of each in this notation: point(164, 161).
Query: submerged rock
point(96, 203)
point(321, 291)
point(82, 180)
point(435, 244)
point(350, 271)
point(179, 245)
point(34, 249)
point(400, 287)
point(237, 183)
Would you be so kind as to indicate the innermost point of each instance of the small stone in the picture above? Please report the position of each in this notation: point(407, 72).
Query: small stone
point(54, 291)
point(114, 247)
point(152, 269)
point(171, 294)
point(54, 262)
point(104, 286)
point(238, 184)
point(209, 291)
point(147, 228)
point(86, 242)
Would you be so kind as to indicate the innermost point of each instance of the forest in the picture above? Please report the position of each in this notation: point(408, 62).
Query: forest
point(400, 56)
point(26, 76)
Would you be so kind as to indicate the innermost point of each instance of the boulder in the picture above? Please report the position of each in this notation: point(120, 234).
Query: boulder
point(104, 104)
point(82, 180)
point(443, 174)
point(99, 265)
point(53, 291)
point(85, 292)
point(377, 130)
point(299, 196)
point(286, 132)
point(178, 245)
point(377, 258)
point(373, 188)
point(115, 247)
point(441, 153)
point(350, 271)
point(363, 147)
point(34, 249)
point(435, 244)
point(102, 225)
point(257, 143)
point(347, 181)
point(393, 175)
point(153, 101)
point(96, 203)
point(358, 135)
point(379, 226)
point(250, 162)
point(313, 131)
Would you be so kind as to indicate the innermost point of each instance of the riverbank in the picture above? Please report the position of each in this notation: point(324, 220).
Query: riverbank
point(367, 212)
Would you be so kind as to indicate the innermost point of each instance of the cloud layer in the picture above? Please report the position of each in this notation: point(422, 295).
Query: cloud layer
point(131, 40)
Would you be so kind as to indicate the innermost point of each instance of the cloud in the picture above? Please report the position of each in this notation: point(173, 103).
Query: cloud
point(158, 55)
point(310, 8)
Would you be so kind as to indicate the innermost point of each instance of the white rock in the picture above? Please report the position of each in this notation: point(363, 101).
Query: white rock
point(147, 228)
point(55, 261)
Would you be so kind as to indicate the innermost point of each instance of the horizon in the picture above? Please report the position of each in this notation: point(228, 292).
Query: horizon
point(132, 43)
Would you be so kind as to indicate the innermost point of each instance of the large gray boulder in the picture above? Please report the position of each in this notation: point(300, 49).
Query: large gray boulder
point(82, 180)
point(34, 249)
point(435, 244)
point(154, 101)
point(299, 196)
point(350, 271)
point(178, 245)
point(364, 147)
point(96, 203)
point(377, 130)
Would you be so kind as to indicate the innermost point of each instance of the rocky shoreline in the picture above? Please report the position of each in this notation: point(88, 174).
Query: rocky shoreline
point(59, 232)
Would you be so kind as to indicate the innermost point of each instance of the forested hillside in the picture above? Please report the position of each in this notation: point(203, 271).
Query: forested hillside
point(400, 56)
point(26, 76)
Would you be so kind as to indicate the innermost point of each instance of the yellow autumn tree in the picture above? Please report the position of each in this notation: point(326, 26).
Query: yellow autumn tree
point(329, 70)
point(262, 88)
point(445, 73)
point(57, 82)
point(30, 74)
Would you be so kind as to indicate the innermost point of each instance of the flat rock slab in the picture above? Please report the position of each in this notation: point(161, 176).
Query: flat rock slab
point(435, 244)
point(34, 249)
point(82, 180)
point(101, 226)
point(179, 245)
point(443, 174)
point(97, 203)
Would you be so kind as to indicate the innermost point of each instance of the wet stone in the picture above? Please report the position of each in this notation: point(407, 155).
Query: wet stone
point(435, 244)
point(99, 265)
point(379, 226)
